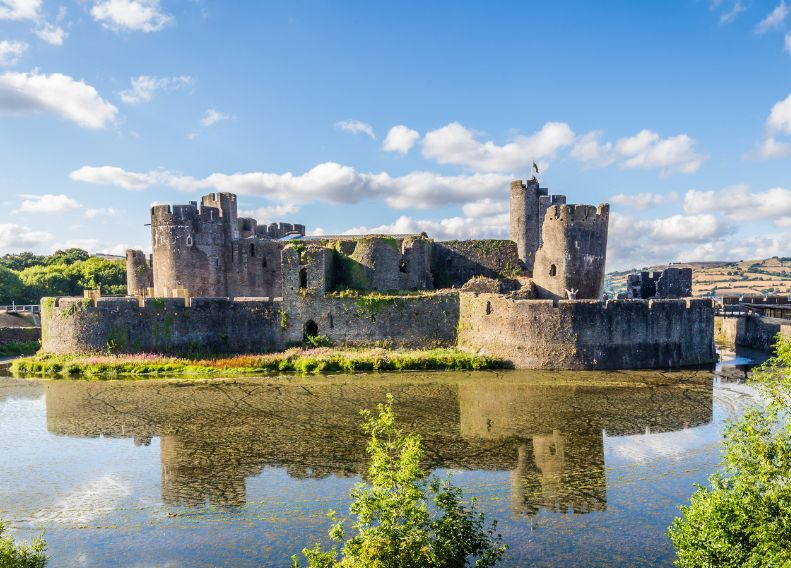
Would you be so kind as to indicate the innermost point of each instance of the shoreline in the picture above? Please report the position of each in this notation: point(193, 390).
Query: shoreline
point(295, 360)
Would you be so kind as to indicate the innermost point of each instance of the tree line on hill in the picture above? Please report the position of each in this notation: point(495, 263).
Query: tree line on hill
point(26, 277)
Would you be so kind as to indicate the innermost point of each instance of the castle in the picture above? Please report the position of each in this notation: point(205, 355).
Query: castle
point(215, 281)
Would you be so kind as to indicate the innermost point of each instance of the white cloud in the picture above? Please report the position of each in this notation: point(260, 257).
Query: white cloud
point(101, 212)
point(144, 87)
point(739, 248)
point(441, 229)
point(111, 175)
point(136, 15)
point(485, 208)
point(787, 42)
point(328, 182)
point(780, 116)
point(774, 20)
point(56, 93)
point(400, 139)
point(96, 246)
point(213, 116)
point(271, 213)
point(454, 144)
point(644, 150)
point(52, 34)
point(356, 127)
point(772, 148)
point(740, 204)
point(11, 51)
point(47, 203)
point(17, 236)
point(730, 15)
point(19, 9)
point(643, 200)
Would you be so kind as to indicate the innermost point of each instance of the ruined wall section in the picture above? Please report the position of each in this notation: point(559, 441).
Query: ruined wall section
point(139, 276)
point(255, 268)
point(574, 252)
point(453, 263)
point(585, 334)
point(161, 325)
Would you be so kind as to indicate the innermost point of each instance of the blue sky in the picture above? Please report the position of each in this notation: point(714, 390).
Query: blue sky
point(399, 117)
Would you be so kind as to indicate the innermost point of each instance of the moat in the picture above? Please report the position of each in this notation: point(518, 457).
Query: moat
point(578, 468)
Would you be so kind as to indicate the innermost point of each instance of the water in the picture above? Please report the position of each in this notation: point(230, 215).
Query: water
point(579, 469)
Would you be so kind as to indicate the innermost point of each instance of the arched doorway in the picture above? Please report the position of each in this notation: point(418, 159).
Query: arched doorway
point(311, 329)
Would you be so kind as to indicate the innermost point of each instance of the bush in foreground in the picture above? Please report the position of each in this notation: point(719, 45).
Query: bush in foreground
point(744, 518)
point(403, 519)
point(14, 555)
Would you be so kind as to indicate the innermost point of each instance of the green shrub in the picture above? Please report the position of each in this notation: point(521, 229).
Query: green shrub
point(402, 519)
point(744, 518)
point(14, 555)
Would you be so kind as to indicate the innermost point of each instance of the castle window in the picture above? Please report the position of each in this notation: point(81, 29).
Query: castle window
point(402, 266)
point(217, 263)
point(263, 262)
point(189, 240)
point(331, 322)
point(553, 270)
point(303, 277)
point(252, 249)
point(488, 308)
point(310, 330)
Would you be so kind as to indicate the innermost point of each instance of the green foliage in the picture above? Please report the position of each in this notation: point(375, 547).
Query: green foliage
point(11, 287)
point(22, 348)
point(403, 519)
point(14, 555)
point(283, 319)
point(744, 518)
point(21, 260)
point(70, 276)
point(67, 256)
point(317, 341)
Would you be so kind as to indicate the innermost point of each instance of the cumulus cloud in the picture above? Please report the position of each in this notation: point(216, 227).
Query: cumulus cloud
point(135, 15)
point(740, 248)
point(736, 8)
point(270, 213)
point(56, 93)
point(356, 127)
point(11, 51)
point(772, 148)
point(780, 117)
point(455, 144)
point(52, 34)
point(643, 200)
point(485, 208)
point(740, 204)
point(213, 116)
point(644, 150)
point(48, 203)
point(328, 182)
point(144, 87)
point(96, 246)
point(441, 229)
point(778, 123)
point(19, 9)
point(101, 212)
point(774, 20)
point(15, 237)
point(400, 139)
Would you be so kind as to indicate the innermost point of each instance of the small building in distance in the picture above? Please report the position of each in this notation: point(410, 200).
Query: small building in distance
point(669, 283)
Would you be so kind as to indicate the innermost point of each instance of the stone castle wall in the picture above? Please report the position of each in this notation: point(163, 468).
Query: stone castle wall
point(453, 263)
point(161, 325)
point(19, 334)
point(755, 332)
point(579, 334)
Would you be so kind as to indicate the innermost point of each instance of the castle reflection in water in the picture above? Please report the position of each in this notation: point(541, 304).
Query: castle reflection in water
point(546, 428)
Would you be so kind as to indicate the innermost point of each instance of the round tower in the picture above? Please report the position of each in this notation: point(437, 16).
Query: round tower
point(525, 219)
point(570, 262)
point(138, 274)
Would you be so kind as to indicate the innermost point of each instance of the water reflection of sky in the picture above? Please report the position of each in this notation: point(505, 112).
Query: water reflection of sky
point(241, 474)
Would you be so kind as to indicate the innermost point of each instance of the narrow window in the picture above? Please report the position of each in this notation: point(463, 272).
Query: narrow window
point(303, 277)
point(553, 270)
point(332, 324)
point(189, 240)
point(263, 262)
point(402, 266)
point(252, 249)
point(488, 308)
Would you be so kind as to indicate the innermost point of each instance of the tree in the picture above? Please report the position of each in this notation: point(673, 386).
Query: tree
point(403, 519)
point(67, 256)
point(49, 280)
point(744, 518)
point(11, 287)
point(21, 555)
point(21, 260)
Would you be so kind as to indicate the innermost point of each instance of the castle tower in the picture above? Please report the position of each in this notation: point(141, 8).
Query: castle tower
point(138, 273)
point(528, 204)
point(573, 252)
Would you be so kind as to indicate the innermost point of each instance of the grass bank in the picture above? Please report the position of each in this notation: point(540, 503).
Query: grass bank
point(23, 348)
point(297, 360)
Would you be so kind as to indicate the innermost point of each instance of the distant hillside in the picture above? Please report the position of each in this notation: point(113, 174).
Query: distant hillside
point(768, 276)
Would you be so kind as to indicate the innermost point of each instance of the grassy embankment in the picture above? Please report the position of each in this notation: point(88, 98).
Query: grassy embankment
point(24, 348)
point(297, 360)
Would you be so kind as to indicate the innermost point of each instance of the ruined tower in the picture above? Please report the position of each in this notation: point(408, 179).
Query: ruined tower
point(138, 273)
point(574, 249)
point(528, 205)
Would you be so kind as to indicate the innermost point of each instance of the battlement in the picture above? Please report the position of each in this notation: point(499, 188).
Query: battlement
point(578, 213)
point(184, 214)
point(532, 184)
